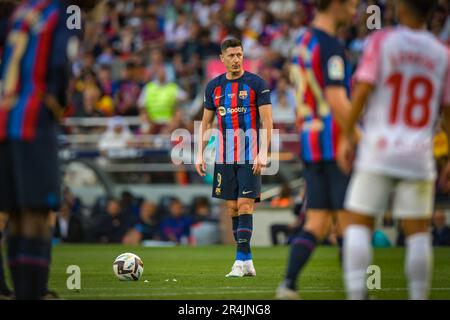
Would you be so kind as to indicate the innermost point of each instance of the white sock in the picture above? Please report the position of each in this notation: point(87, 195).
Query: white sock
point(249, 263)
point(419, 265)
point(357, 257)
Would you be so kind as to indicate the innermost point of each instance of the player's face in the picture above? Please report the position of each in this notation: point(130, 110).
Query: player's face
point(233, 58)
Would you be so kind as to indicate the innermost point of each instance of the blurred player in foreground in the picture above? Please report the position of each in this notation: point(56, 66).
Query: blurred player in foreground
point(35, 72)
point(322, 83)
point(403, 80)
point(241, 101)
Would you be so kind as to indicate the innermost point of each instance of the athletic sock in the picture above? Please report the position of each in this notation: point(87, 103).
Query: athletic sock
point(235, 221)
point(244, 234)
point(3, 286)
point(357, 257)
point(301, 248)
point(30, 265)
point(419, 265)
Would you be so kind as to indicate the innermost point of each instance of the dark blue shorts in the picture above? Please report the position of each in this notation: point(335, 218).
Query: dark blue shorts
point(29, 175)
point(233, 181)
point(326, 185)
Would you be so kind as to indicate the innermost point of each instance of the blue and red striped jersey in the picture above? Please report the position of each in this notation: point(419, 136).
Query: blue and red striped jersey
point(318, 62)
point(35, 64)
point(236, 103)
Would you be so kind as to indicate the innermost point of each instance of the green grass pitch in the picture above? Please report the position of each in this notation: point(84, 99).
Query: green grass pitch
point(200, 273)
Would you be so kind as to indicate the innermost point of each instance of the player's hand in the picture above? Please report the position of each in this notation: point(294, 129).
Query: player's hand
point(259, 164)
point(200, 166)
point(346, 154)
point(444, 179)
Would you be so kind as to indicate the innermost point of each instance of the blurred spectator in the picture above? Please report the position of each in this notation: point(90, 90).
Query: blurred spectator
point(129, 203)
point(105, 80)
point(69, 226)
point(205, 229)
point(151, 34)
point(441, 231)
point(117, 135)
point(283, 102)
point(158, 102)
point(176, 227)
point(176, 33)
point(112, 226)
point(146, 228)
point(91, 97)
point(126, 91)
point(72, 201)
point(284, 42)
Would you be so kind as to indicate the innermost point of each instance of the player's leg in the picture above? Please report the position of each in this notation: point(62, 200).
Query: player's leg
point(232, 210)
point(237, 270)
point(413, 204)
point(317, 224)
point(337, 187)
point(357, 255)
point(38, 192)
point(29, 253)
point(244, 234)
point(367, 196)
point(249, 191)
point(5, 292)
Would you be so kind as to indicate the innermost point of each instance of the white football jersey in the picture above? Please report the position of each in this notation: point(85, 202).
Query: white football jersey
point(410, 72)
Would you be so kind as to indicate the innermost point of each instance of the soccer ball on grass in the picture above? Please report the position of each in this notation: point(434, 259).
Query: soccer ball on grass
point(128, 266)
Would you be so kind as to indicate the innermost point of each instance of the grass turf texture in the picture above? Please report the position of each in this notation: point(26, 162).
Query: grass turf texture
point(200, 273)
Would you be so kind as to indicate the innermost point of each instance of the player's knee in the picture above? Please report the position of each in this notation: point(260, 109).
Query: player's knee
point(245, 208)
point(232, 209)
point(232, 212)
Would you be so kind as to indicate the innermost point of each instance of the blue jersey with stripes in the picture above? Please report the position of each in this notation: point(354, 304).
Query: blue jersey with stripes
point(236, 103)
point(318, 62)
point(35, 66)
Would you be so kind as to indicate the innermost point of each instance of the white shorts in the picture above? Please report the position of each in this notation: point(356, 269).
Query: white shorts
point(369, 194)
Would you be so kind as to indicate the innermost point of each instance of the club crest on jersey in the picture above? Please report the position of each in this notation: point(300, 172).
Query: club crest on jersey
point(222, 111)
point(219, 181)
point(243, 94)
point(218, 191)
point(336, 68)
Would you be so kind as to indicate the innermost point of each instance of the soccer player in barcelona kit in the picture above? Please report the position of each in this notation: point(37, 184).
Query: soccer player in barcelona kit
point(241, 102)
point(34, 70)
point(403, 82)
point(319, 72)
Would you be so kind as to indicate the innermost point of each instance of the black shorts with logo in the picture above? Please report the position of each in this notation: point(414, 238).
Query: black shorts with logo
point(233, 181)
point(29, 175)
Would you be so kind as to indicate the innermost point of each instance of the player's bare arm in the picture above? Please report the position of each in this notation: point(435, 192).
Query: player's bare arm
point(347, 145)
point(204, 132)
point(265, 113)
point(339, 103)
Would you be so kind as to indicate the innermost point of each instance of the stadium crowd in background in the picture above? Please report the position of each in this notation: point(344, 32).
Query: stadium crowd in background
point(167, 49)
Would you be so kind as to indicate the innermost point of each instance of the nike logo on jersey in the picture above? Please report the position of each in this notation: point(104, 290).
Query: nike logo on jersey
point(218, 97)
point(265, 91)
